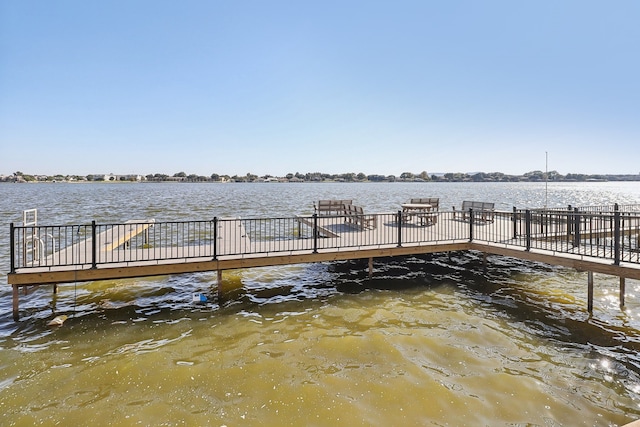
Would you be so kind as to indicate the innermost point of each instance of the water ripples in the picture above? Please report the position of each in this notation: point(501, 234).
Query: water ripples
point(436, 339)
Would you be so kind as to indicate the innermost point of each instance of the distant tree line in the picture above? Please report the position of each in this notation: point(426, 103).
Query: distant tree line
point(552, 176)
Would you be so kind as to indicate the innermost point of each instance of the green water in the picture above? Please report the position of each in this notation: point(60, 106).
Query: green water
point(432, 340)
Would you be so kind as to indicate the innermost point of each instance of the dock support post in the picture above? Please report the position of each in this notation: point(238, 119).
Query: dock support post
point(370, 267)
point(590, 291)
point(484, 261)
point(16, 301)
point(622, 291)
point(55, 288)
point(219, 282)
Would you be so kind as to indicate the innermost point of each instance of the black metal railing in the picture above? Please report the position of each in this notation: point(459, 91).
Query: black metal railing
point(596, 233)
point(602, 233)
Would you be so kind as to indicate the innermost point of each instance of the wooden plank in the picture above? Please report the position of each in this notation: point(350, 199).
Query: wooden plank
point(120, 234)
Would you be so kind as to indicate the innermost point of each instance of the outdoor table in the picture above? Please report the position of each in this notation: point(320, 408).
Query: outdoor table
point(417, 210)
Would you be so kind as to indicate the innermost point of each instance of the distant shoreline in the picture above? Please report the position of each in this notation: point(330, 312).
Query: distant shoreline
point(327, 181)
point(534, 176)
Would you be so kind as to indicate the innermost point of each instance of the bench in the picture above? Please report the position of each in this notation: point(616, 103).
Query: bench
point(482, 211)
point(330, 207)
point(355, 215)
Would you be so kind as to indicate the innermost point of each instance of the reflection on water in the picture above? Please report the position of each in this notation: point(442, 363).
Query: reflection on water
point(428, 340)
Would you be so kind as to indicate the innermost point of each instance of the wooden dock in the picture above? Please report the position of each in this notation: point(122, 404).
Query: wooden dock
point(137, 248)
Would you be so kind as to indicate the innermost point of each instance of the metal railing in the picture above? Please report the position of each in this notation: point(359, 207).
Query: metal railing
point(600, 233)
point(606, 208)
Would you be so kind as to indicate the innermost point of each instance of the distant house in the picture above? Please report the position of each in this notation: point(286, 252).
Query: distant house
point(113, 178)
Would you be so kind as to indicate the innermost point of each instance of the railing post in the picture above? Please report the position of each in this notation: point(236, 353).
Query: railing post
point(399, 222)
point(94, 244)
point(569, 223)
point(515, 223)
point(315, 233)
point(576, 228)
point(616, 236)
point(215, 238)
point(470, 225)
point(527, 229)
point(12, 248)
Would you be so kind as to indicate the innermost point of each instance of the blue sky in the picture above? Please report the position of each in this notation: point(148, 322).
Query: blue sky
point(272, 87)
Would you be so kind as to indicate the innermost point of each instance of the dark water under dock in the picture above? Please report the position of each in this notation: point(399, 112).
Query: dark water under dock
point(429, 340)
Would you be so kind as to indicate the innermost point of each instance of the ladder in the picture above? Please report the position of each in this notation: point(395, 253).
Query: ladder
point(33, 248)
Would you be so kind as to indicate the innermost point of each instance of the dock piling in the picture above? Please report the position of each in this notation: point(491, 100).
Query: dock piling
point(16, 302)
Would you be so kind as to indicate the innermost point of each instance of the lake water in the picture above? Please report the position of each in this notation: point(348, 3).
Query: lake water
point(429, 340)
